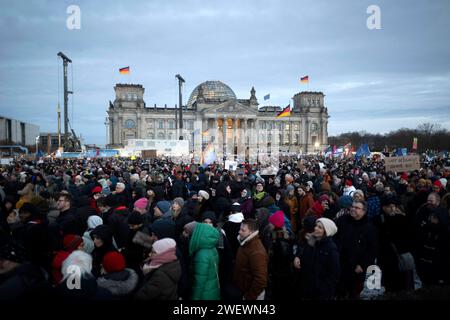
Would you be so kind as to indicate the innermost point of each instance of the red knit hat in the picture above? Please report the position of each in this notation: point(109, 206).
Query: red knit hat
point(277, 219)
point(437, 183)
point(318, 208)
point(113, 262)
point(96, 189)
point(348, 182)
point(71, 242)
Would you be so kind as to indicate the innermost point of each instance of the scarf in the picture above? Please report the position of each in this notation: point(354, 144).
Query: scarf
point(259, 196)
point(159, 259)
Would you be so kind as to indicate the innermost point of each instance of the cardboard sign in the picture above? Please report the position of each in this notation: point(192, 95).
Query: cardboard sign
point(230, 165)
point(400, 164)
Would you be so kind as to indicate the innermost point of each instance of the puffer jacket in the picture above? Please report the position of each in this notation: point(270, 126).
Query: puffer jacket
point(204, 263)
point(120, 284)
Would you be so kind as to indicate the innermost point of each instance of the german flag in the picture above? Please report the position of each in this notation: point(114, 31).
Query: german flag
point(304, 79)
point(125, 70)
point(285, 113)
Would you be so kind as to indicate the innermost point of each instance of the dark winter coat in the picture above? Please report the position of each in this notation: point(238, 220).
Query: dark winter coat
point(25, 282)
point(161, 283)
point(118, 222)
point(395, 237)
point(357, 243)
point(320, 269)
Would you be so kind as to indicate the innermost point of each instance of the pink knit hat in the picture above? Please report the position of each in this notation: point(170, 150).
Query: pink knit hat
point(141, 203)
point(277, 219)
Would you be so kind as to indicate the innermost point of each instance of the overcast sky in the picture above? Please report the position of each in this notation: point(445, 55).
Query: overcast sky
point(374, 80)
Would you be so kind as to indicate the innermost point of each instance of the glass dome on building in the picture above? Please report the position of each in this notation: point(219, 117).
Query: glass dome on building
point(213, 91)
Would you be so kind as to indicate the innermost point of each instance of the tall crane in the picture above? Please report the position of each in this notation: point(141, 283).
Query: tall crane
point(68, 144)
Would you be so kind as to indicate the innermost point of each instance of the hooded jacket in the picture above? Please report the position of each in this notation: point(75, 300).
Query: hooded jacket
point(204, 263)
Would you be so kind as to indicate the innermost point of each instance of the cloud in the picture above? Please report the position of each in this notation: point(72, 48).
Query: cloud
point(383, 78)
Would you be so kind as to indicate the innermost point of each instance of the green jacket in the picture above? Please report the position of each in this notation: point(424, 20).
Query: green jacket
point(204, 263)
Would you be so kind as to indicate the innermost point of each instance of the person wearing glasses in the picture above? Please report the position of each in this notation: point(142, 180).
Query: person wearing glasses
point(357, 244)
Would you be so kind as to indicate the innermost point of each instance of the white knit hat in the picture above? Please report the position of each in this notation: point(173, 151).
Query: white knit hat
point(163, 245)
point(203, 194)
point(329, 226)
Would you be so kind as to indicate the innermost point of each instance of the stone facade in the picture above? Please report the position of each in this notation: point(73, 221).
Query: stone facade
point(213, 115)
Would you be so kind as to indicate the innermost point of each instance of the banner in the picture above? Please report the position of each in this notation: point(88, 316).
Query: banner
point(401, 164)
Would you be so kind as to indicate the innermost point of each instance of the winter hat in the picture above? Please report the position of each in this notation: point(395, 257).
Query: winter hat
point(310, 184)
point(437, 183)
point(203, 194)
point(113, 262)
point(318, 208)
point(236, 207)
point(164, 206)
point(404, 176)
point(71, 242)
point(163, 245)
point(141, 203)
point(13, 252)
point(209, 215)
point(163, 228)
point(329, 226)
point(135, 218)
point(290, 188)
point(192, 193)
point(94, 221)
point(179, 201)
point(189, 227)
point(96, 189)
point(443, 182)
point(102, 232)
point(348, 182)
point(324, 197)
point(389, 199)
point(308, 223)
point(345, 202)
point(277, 219)
point(120, 186)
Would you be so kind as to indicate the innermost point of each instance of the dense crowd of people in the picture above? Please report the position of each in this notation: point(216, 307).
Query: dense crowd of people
point(104, 229)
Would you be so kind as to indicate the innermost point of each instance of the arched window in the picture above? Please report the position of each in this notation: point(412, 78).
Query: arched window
point(160, 136)
point(150, 135)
